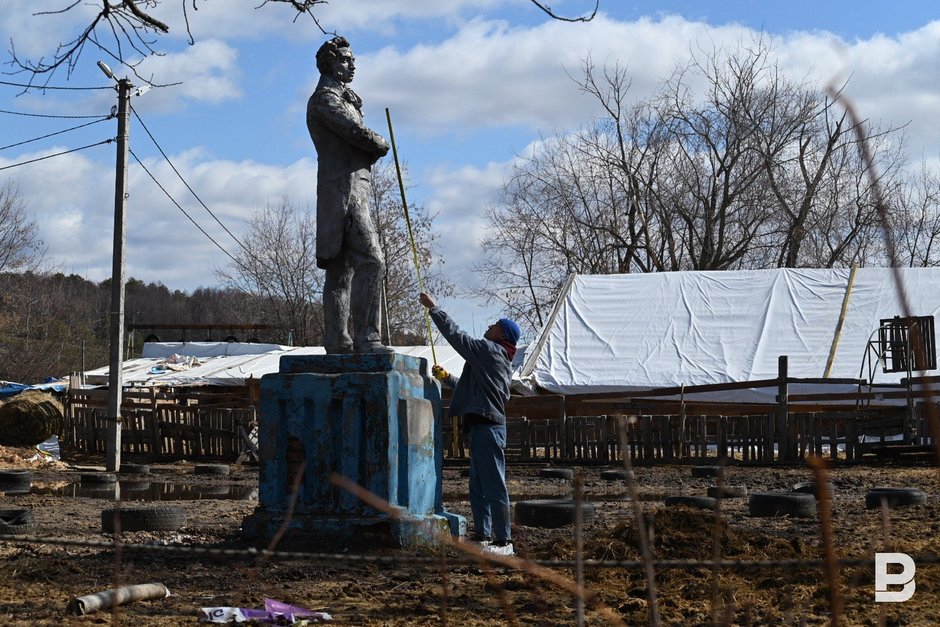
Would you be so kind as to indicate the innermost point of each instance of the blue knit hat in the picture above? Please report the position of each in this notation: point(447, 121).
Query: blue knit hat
point(510, 330)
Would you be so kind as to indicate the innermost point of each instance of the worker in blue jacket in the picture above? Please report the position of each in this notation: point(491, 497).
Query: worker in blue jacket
point(480, 396)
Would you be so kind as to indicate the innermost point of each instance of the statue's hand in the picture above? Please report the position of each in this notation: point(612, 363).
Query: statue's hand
point(382, 147)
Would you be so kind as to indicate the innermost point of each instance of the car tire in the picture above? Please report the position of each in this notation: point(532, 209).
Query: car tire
point(551, 513)
point(810, 487)
point(14, 478)
point(617, 474)
point(218, 470)
point(894, 497)
point(97, 477)
point(143, 519)
point(17, 522)
point(770, 504)
point(135, 469)
point(556, 473)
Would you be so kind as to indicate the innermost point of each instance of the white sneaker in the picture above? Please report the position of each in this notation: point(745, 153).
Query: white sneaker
point(505, 550)
point(478, 540)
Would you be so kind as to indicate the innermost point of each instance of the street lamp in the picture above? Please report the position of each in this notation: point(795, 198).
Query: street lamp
point(116, 345)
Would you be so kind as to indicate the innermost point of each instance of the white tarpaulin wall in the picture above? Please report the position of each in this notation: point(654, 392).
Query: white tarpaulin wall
point(642, 331)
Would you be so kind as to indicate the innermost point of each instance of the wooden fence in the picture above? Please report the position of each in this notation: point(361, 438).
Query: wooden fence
point(754, 439)
point(190, 423)
point(219, 423)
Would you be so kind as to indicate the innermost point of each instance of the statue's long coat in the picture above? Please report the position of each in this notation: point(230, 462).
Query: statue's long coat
point(346, 150)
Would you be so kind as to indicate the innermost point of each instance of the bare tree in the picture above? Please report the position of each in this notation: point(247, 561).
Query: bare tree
point(48, 324)
point(20, 247)
point(560, 212)
point(127, 29)
point(123, 30)
point(917, 221)
point(752, 171)
point(277, 266)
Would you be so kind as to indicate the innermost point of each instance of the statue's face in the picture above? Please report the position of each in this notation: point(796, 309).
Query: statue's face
point(344, 66)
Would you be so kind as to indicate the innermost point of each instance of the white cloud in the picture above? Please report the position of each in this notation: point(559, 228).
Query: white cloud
point(72, 199)
point(458, 199)
point(35, 35)
point(485, 77)
point(250, 19)
point(380, 15)
point(207, 72)
point(490, 74)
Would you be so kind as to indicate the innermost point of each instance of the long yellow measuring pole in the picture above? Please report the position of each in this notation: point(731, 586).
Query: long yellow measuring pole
point(414, 249)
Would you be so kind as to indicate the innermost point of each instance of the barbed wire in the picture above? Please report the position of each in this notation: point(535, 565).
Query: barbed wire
point(435, 561)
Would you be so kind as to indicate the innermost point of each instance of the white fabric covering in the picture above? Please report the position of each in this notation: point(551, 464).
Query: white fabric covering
point(642, 331)
point(222, 363)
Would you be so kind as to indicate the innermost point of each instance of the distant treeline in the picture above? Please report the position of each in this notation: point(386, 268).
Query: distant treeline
point(53, 324)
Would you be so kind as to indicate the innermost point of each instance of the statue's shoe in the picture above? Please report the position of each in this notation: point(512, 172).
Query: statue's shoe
point(346, 349)
point(375, 348)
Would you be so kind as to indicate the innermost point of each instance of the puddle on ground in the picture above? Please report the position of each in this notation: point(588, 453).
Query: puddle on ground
point(461, 497)
point(142, 490)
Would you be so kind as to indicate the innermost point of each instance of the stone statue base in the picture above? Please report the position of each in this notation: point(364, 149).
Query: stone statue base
point(368, 418)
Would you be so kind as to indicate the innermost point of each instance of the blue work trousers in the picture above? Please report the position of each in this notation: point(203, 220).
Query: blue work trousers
point(489, 498)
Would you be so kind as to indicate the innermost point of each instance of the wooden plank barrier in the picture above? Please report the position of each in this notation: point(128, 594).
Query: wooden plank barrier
point(202, 423)
point(164, 423)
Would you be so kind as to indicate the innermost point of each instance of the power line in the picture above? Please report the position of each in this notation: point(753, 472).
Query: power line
point(180, 207)
point(263, 264)
point(58, 154)
point(45, 87)
point(74, 128)
point(191, 190)
point(49, 115)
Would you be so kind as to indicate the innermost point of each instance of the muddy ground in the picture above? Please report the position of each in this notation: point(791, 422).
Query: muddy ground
point(38, 580)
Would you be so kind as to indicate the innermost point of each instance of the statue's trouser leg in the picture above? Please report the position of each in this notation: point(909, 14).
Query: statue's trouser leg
point(364, 255)
point(336, 306)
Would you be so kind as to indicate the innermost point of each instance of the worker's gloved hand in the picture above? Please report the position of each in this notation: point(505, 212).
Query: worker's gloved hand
point(438, 372)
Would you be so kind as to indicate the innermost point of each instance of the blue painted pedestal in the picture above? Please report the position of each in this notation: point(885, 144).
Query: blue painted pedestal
point(369, 418)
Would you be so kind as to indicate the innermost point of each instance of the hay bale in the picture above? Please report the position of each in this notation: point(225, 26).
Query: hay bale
point(29, 418)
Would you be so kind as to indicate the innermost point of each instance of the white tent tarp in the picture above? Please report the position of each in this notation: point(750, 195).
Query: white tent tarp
point(230, 363)
point(642, 331)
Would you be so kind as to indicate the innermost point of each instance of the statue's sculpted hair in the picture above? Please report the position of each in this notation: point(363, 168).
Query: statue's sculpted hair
point(328, 53)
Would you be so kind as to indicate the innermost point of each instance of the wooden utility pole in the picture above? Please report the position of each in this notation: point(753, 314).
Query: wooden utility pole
point(116, 349)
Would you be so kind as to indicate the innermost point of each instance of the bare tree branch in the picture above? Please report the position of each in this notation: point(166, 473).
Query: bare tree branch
point(128, 26)
point(132, 26)
point(584, 18)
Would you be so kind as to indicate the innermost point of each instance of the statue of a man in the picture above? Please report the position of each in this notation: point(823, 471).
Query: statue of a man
point(347, 242)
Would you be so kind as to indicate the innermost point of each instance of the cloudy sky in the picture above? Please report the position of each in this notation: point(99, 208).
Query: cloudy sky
point(471, 84)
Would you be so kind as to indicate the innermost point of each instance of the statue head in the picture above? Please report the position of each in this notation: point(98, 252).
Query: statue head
point(335, 58)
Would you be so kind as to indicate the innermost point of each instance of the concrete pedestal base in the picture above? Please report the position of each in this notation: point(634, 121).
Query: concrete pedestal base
point(368, 418)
